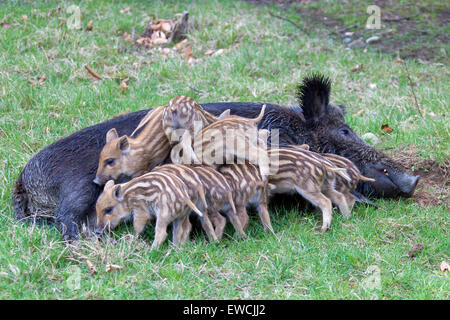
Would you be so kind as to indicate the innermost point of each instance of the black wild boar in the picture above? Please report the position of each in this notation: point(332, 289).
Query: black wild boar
point(58, 180)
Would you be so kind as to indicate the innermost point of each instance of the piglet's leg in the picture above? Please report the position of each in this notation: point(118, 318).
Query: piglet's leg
point(218, 221)
point(160, 230)
point(208, 227)
point(243, 216)
point(181, 228)
point(236, 223)
point(317, 198)
point(339, 199)
point(140, 221)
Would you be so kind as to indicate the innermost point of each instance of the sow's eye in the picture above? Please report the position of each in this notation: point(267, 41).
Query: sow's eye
point(345, 132)
point(108, 210)
point(109, 162)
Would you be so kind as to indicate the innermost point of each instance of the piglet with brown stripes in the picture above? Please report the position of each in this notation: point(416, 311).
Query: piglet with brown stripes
point(249, 188)
point(185, 114)
point(126, 157)
point(301, 171)
point(196, 193)
point(159, 195)
point(219, 198)
point(232, 139)
point(344, 186)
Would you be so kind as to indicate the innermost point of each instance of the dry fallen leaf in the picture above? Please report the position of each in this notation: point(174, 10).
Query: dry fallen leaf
point(218, 52)
point(188, 53)
point(181, 44)
point(166, 26)
point(445, 266)
point(91, 267)
point(123, 85)
point(4, 24)
point(112, 267)
point(360, 112)
point(386, 128)
point(209, 52)
point(399, 61)
point(50, 13)
point(358, 67)
point(42, 79)
point(89, 26)
point(24, 17)
point(93, 73)
point(127, 9)
point(63, 22)
point(126, 36)
point(415, 249)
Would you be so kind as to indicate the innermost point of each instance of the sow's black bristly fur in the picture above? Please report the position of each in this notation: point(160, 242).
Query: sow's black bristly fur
point(58, 180)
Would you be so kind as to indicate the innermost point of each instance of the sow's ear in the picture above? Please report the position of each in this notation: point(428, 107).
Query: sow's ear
point(313, 95)
point(111, 135)
point(123, 144)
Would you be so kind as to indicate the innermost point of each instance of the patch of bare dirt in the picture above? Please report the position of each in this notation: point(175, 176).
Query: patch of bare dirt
point(434, 185)
point(410, 29)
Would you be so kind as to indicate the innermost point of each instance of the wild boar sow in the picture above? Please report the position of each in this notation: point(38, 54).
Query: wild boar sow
point(58, 181)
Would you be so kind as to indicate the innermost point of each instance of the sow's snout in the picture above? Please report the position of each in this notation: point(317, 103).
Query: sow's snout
point(389, 182)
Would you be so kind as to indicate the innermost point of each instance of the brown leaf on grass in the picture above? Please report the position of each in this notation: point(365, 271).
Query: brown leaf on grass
point(180, 45)
point(112, 267)
point(126, 36)
point(399, 61)
point(50, 13)
point(93, 73)
point(4, 24)
point(144, 42)
point(123, 85)
point(415, 249)
point(166, 27)
point(357, 68)
point(125, 10)
point(360, 112)
point(445, 266)
point(63, 22)
point(386, 128)
point(159, 37)
point(42, 79)
point(89, 26)
point(91, 267)
point(25, 18)
point(188, 53)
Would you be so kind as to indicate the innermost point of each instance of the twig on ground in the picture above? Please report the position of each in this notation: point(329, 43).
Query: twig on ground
point(400, 18)
point(412, 88)
point(286, 19)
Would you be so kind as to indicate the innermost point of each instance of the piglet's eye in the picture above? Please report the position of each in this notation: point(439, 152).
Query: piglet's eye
point(108, 210)
point(109, 162)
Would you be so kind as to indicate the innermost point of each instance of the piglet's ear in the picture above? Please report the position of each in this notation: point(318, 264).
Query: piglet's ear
point(124, 144)
point(224, 114)
point(111, 135)
point(109, 184)
point(117, 192)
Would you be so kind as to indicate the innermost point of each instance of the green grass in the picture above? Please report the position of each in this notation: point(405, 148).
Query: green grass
point(268, 57)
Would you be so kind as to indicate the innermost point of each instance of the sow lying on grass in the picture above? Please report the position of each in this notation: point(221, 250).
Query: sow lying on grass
point(57, 181)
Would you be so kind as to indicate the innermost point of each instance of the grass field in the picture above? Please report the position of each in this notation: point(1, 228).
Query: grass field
point(263, 59)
